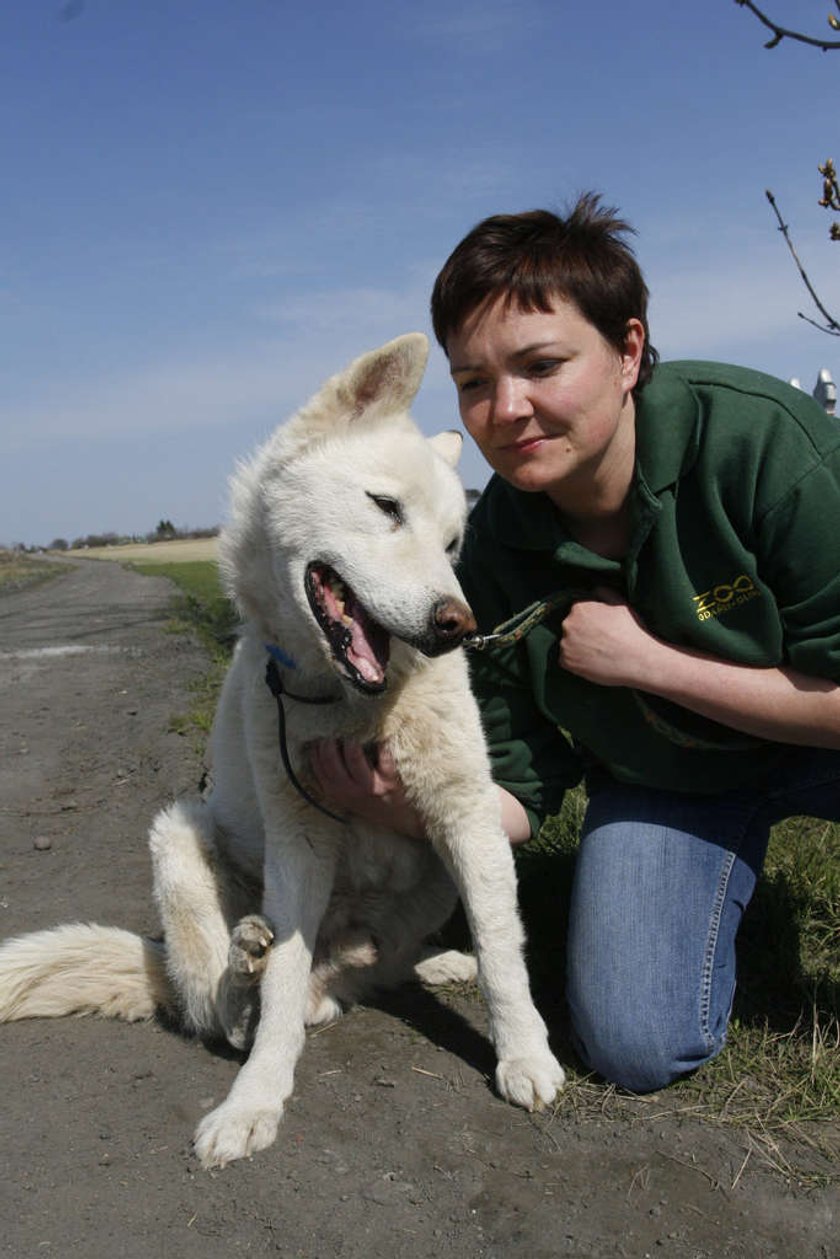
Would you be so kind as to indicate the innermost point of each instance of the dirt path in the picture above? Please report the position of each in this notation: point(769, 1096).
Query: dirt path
point(394, 1141)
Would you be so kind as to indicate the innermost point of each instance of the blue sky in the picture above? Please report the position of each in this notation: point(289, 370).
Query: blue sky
point(210, 205)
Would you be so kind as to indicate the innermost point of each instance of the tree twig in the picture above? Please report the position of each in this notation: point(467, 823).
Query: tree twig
point(781, 32)
point(831, 192)
point(832, 327)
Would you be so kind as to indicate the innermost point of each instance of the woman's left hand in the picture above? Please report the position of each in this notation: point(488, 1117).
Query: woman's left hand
point(604, 641)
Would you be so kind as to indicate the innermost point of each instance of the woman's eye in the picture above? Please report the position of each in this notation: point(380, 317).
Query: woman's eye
point(468, 386)
point(390, 507)
point(544, 366)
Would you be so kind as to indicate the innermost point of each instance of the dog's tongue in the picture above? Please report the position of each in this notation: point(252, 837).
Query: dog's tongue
point(355, 637)
point(368, 648)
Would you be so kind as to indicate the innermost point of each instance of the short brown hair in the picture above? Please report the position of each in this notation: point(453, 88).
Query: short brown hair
point(534, 257)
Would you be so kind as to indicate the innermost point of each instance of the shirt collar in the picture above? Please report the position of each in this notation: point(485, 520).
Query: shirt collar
point(667, 427)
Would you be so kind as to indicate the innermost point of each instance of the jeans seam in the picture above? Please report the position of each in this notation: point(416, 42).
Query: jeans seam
point(711, 947)
point(714, 931)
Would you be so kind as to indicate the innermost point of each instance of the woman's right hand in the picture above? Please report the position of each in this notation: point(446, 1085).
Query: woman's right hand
point(365, 784)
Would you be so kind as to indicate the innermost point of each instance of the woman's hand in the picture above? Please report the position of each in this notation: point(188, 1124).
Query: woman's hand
point(603, 641)
point(365, 784)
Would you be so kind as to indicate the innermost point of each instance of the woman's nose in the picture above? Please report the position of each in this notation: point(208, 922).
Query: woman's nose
point(510, 400)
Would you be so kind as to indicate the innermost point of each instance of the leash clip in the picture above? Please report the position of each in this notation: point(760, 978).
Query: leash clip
point(480, 642)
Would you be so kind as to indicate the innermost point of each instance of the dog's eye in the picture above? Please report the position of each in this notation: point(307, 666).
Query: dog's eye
point(453, 547)
point(389, 506)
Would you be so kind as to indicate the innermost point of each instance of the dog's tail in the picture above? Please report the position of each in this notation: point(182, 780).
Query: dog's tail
point(83, 969)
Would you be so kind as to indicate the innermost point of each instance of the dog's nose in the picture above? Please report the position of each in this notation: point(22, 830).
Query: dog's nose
point(452, 620)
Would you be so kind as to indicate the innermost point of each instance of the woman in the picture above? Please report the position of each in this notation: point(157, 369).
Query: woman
point(687, 515)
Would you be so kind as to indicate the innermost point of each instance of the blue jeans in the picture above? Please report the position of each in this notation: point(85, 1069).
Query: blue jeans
point(661, 884)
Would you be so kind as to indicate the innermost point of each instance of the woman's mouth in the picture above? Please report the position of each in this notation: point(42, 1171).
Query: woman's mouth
point(524, 445)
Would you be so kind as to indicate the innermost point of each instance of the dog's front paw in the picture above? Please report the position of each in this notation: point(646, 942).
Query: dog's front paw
point(232, 1131)
point(532, 1081)
point(250, 941)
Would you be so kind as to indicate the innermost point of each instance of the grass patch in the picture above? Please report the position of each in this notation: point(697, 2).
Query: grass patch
point(200, 607)
point(18, 570)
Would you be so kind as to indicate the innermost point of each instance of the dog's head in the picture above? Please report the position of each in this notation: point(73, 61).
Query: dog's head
point(346, 525)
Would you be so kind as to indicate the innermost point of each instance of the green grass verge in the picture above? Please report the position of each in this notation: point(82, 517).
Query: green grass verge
point(200, 607)
point(779, 1075)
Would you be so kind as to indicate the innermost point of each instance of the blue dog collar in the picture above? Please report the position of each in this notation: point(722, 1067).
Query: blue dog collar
point(279, 656)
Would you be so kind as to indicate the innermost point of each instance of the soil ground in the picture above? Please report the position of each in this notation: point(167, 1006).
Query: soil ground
point(394, 1141)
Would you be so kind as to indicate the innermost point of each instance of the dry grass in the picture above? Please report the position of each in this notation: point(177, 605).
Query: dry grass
point(18, 570)
point(778, 1097)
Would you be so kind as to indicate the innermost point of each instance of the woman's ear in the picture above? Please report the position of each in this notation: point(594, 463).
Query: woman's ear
point(631, 355)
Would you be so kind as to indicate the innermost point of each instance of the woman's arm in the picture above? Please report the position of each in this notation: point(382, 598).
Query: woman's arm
point(606, 643)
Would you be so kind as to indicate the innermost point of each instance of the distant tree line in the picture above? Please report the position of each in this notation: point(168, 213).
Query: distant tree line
point(165, 531)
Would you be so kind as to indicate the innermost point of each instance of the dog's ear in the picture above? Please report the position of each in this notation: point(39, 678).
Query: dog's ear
point(382, 382)
point(448, 445)
point(388, 378)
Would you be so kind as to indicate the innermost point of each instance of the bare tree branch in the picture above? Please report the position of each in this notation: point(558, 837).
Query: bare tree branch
point(781, 32)
point(831, 326)
point(831, 188)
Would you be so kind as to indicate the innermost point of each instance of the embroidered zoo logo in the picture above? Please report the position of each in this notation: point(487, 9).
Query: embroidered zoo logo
point(725, 597)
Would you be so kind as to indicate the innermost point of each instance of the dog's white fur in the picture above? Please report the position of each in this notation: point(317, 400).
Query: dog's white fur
point(349, 482)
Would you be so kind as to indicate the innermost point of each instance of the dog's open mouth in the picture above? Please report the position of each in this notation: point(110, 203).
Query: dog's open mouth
point(360, 646)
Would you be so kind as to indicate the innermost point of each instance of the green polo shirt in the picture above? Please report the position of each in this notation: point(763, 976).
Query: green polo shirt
point(735, 551)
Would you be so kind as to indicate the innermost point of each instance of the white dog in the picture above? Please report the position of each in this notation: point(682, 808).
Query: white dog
point(344, 529)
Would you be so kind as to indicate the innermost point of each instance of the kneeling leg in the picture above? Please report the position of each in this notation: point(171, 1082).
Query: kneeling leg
point(656, 905)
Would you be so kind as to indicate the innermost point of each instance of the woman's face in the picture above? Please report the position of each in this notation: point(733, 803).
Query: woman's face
point(548, 400)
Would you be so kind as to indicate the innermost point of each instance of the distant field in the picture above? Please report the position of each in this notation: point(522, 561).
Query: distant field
point(180, 551)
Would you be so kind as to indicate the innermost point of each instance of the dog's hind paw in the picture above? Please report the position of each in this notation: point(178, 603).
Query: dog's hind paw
point(322, 1009)
point(446, 966)
point(250, 941)
point(231, 1131)
point(532, 1081)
